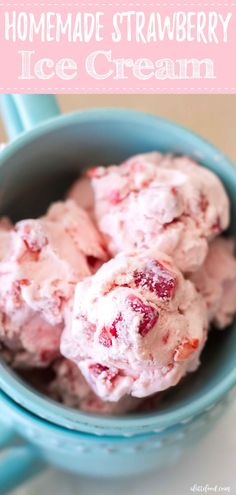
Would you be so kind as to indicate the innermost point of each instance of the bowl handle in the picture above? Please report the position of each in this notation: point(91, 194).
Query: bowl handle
point(21, 112)
point(18, 463)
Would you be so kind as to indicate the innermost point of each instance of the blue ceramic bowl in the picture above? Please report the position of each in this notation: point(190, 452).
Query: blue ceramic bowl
point(46, 152)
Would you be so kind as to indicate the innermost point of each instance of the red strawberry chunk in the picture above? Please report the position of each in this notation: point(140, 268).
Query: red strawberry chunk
point(216, 227)
point(96, 369)
point(185, 349)
point(203, 202)
point(15, 293)
point(156, 278)
point(24, 281)
point(174, 191)
point(114, 197)
point(148, 313)
point(104, 338)
point(113, 327)
point(47, 356)
point(34, 245)
point(33, 238)
point(92, 262)
point(165, 337)
point(106, 333)
point(95, 172)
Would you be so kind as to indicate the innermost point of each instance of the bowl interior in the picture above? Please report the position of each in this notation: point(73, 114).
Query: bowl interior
point(37, 169)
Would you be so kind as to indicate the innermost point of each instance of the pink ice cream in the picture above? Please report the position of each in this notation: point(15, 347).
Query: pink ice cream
point(137, 326)
point(82, 193)
point(70, 387)
point(43, 261)
point(5, 227)
point(168, 202)
point(216, 281)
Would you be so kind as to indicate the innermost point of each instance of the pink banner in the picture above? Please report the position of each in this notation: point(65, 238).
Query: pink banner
point(125, 47)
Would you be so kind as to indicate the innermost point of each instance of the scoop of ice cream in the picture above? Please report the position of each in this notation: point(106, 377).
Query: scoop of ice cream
point(79, 227)
point(28, 340)
point(70, 387)
point(168, 202)
point(137, 326)
point(81, 192)
point(216, 281)
point(5, 227)
point(5, 224)
point(44, 260)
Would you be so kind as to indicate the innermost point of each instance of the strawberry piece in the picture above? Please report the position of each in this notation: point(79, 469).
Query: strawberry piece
point(185, 349)
point(33, 237)
point(96, 369)
point(114, 197)
point(149, 314)
point(95, 172)
point(203, 203)
point(156, 278)
point(113, 327)
point(24, 281)
point(35, 245)
point(15, 294)
point(106, 333)
point(93, 262)
point(108, 375)
point(174, 191)
point(165, 337)
point(216, 227)
point(46, 356)
point(104, 338)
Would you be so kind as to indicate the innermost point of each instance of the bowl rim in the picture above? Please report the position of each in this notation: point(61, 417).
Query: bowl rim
point(41, 407)
point(115, 114)
point(47, 409)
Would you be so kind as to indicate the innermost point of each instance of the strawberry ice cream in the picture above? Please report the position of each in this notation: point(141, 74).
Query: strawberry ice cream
point(43, 261)
point(137, 326)
point(216, 281)
point(168, 202)
point(70, 387)
point(5, 227)
point(82, 193)
point(117, 331)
